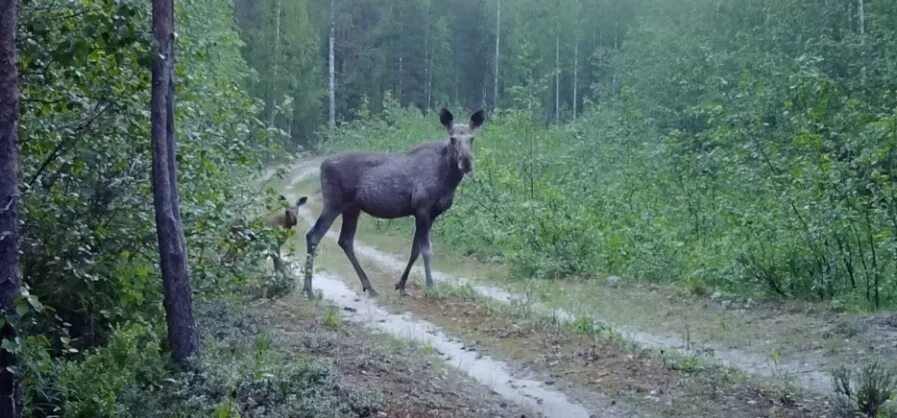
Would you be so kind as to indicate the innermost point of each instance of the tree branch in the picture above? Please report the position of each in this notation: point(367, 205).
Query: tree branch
point(56, 150)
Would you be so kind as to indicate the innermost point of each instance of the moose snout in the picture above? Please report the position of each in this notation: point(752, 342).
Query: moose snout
point(465, 165)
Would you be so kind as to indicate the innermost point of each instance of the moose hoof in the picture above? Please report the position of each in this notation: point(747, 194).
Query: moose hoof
point(401, 288)
point(371, 292)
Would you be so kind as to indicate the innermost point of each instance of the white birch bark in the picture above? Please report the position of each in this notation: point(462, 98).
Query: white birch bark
point(497, 56)
point(557, 73)
point(332, 84)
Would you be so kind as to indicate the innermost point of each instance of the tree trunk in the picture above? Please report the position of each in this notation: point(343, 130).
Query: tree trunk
point(427, 57)
point(457, 87)
point(430, 85)
point(10, 384)
point(861, 11)
point(497, 56)
point(332, 85)
point(274, 58)
point(178, 298)
point(613, 77)
point(557, 73)
point(401, 78)
point(575, 74)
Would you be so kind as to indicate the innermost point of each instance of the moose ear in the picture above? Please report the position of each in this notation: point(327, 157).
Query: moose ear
point(446, 118)
point(301, 201)
point(477, 119)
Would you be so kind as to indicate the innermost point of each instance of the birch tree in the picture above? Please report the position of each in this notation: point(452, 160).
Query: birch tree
point(332, 67)
point(177, 294)
point(557, 72)
point(575, 74)
point(577, 20)
point(427, 66)
point(497, 55)
point(861, 12)
point(10, 389)
point(275, 57)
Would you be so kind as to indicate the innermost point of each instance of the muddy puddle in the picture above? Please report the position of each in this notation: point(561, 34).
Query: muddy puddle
point(492, 373)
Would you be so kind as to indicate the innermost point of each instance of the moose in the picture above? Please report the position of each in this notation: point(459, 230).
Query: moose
point(286, 219)
point(420, 183)
point(241, 235)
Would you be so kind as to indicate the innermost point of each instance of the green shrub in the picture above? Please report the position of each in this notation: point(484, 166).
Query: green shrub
point(867, 394)
point(99, 382)
point(243, 372)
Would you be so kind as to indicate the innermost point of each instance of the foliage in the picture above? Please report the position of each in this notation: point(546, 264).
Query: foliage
point(332, 318)
point(88, 248)
point(749, 146)
point(242, 373)
point(281, 45)
point(868, 394)
point(708, 196)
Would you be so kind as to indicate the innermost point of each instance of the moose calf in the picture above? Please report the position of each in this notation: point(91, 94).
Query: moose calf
point(286, 219)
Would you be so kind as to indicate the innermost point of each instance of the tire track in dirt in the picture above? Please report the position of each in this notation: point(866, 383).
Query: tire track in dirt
point(494, 374)
point(807, 375)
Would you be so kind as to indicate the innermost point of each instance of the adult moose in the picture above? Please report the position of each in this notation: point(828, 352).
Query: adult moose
point(419, 183)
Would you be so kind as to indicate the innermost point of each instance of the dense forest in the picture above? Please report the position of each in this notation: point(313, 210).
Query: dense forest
point(747, 145)
point(744, 146)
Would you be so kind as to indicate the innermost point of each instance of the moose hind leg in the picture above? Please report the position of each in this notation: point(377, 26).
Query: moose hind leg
point(328, 215)
point(347, 243)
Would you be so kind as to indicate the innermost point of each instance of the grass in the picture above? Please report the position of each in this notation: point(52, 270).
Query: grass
point(332, 317)
point(442, 291)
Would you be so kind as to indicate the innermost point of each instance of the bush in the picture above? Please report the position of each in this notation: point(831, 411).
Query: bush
point(242, 372)
point(868, 394)
point(99, 382)
point(248, 373)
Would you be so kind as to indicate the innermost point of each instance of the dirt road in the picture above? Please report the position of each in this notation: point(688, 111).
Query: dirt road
point(556, 352)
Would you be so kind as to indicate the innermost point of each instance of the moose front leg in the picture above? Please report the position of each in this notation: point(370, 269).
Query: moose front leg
point(311, 242)
point(427, 252)
point(422, 227)
point(309, 269)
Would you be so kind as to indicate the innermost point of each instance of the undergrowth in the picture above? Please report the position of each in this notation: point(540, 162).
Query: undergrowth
point(610, 195)
point(869, 393)
point(243, 372)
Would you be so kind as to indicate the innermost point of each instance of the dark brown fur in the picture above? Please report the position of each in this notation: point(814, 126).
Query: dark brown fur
point(419, 183)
